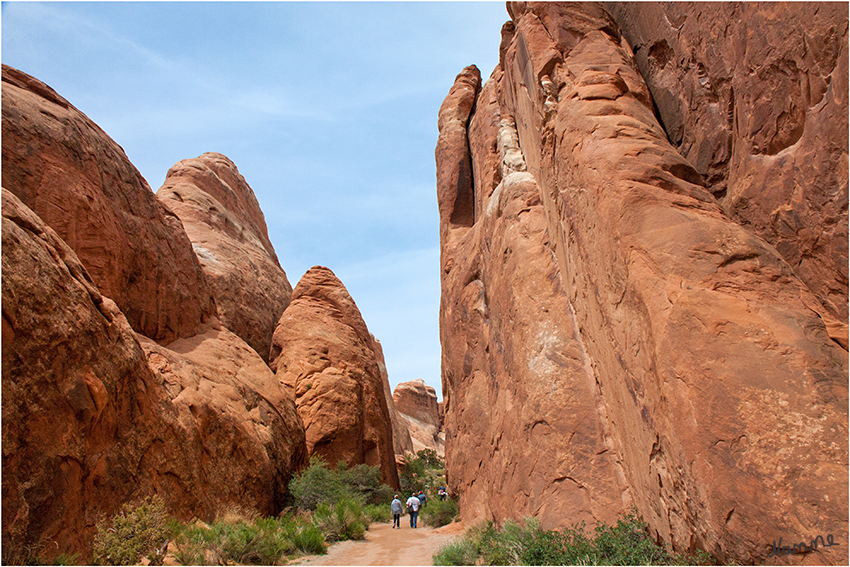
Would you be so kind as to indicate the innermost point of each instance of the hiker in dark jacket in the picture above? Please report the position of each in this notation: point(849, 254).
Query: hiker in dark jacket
point(422, 498)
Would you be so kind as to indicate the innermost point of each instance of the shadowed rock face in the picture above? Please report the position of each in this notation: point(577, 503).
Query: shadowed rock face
point(611, 335)
point(753, 95)
point(228, 231)
point(325, 356)
point(80, 182)
point(417, 403)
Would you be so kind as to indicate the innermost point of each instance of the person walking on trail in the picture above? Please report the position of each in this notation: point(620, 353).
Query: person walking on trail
point(423, 500)
point(395, 506)
point(413, 504)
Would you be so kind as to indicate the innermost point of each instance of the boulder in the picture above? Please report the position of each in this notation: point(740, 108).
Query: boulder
point(753, 96)
point(79, 181)
point(223, 220)
point(603, 302)
point(324, 355)
point(234, 422)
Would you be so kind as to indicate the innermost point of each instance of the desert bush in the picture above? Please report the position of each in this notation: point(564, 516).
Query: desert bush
point(378, 512)
point(139, 530)
point(439, 512)
point(341, 520)
point(309, 539)
point(316, 484)
point(458, 552)
point(625, 543)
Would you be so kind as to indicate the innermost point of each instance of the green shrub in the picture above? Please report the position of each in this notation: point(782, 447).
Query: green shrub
point(458, 552)
point(439, 512)
point(139, 530)
point(262, 542)
point(309, 539)
point(625, 543)
point(380, 513)
point(316, 484)
point(341, 521)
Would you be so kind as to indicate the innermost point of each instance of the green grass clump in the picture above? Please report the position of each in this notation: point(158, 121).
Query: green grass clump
point(439, 512)
point(248, 541)
point(140, 530)
point(342, 520)
point(380, 513)
point(625, 543)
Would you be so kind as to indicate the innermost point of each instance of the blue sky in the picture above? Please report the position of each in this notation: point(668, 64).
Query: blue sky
point(329, 110)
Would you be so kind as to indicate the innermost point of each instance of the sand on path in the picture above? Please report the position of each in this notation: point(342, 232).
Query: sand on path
point(386, 546)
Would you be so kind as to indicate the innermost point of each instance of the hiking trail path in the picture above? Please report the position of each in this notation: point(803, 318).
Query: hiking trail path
point(385, 546)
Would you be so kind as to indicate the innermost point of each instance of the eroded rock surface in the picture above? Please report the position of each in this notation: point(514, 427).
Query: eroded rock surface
point(416, 401)
point(93, 419)
point(324, 354)
point(601, 306)
point(754, 96)
point(228, 231)
point(79, 181)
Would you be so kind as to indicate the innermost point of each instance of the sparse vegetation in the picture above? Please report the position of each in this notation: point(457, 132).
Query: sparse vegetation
point(439, 512)
point(625, 543)
point(139, 530)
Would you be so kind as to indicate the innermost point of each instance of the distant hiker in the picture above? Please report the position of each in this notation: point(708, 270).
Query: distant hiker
point(442, 493)
point(422, 499)
point(395, 506)
point(413, 504)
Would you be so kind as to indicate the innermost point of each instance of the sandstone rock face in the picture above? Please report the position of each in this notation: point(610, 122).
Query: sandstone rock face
point(417, 403)
point(599, 304)
point(228, 231)
point(402, 443)
point(80, 182)
point(91, 419)
point(324, 354)
point(235, 424)
point(753, 95)
point(74, 380)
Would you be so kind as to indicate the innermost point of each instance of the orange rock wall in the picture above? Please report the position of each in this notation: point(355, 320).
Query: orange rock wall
point(675, 350)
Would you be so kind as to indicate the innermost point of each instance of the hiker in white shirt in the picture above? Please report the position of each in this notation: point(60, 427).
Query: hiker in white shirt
point(413, 509)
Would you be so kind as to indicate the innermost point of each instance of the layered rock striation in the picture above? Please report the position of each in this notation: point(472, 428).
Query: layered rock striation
point(417, 405)
point(228, 232)
point(323, 353)
point(79, 181)
point(614, 332)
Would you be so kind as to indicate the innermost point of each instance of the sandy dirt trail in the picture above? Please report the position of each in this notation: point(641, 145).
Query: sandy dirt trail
point(386, 546)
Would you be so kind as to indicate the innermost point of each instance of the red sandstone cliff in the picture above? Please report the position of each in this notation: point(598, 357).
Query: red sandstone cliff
point(95, 414)
point(324, 355)
point(228, 231)
point(613, 334)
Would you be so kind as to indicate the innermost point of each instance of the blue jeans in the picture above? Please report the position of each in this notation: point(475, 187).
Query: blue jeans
point(413, 517)
point(396, 520)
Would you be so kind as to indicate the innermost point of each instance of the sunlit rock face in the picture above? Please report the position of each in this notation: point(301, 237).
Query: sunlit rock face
point(325, 356)
point(753, 95)
point(228, 232)
point(615, 331)
point(417, 404)
point(78, 180)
